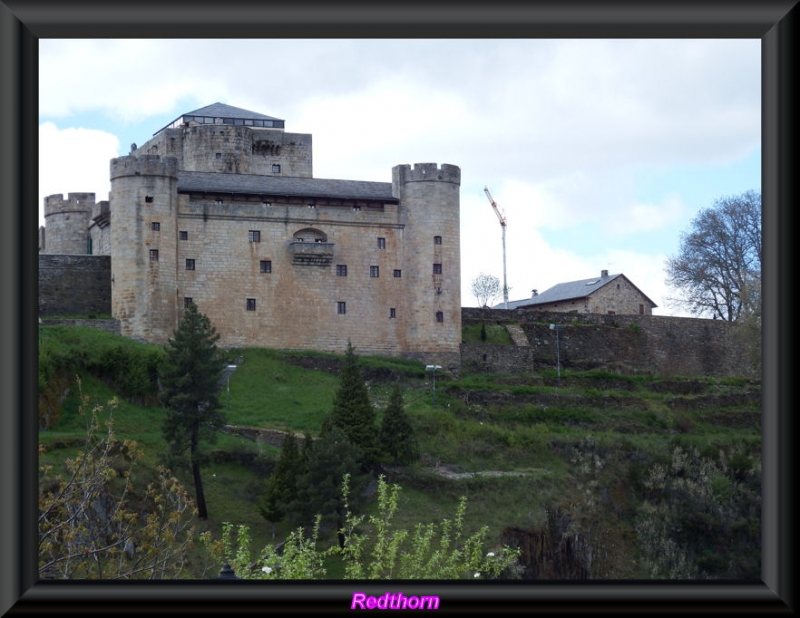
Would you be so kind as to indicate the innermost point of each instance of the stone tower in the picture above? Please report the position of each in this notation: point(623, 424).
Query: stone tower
point(67, 223)
point(144, 245)
point(430, 203)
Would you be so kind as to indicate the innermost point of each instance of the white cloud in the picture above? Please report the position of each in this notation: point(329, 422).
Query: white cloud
point(74, 160)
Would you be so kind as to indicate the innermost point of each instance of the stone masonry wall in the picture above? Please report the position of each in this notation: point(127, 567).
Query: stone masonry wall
point(628, 344)
point(235, 150)
point(621, 297)
point(74, 284)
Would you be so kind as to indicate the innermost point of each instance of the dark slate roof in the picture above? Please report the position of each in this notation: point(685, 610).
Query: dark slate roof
point(570, 290)
point(251, 184)
point(221, 110)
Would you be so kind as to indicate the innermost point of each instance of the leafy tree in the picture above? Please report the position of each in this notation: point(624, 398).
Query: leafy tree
point(718, 268)
point(319, 488)
point(397, 433)
point(486, 288)
point(190, 383)
point(282, 483)
point(94, 523)
point(353, 412)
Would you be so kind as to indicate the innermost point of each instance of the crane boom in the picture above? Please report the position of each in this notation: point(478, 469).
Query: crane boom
point(502, 219)
point(494, 206)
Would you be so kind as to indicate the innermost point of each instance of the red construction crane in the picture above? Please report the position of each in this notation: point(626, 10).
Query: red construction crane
point(503, 226)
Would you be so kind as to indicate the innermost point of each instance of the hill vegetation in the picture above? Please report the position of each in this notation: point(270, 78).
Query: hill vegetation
point(593, 475)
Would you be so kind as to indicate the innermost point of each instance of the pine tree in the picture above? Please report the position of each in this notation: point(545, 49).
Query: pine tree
point(282, 483)
point(190, 384)
point(397, 433)
point(353, 412)
point(319, 488)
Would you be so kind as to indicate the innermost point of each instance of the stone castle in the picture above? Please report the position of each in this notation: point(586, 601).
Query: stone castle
point(220, 208)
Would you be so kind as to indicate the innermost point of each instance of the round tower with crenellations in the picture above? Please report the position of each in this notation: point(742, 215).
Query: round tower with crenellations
point(429, 211)
point(67, 223)
point(143, 203)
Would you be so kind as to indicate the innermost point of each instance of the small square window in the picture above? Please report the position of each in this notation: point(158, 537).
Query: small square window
point(186, 302)
point(357, 208)
point(373, 271)
point(437, 269)
point(154, 255)
point(218, 201)
point(251, 304)
point(155, 226)
point(218, 155)
point(148, 199)
point(437, 240)
point(341, 270)
point(392, 312)
point(341, 308)
point(398, 273)
point(183, 235)
point(266, 266)
point(189, 264)
point(439, 316)
point(276, 169)
point(254, 235)
point(381, 243)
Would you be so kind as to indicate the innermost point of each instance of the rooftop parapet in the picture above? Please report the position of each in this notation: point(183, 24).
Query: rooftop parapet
point(144, 165)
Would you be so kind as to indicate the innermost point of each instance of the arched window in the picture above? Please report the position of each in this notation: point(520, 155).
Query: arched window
point(310, 234)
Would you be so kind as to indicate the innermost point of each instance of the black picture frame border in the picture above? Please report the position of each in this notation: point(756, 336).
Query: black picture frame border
point(23, 23)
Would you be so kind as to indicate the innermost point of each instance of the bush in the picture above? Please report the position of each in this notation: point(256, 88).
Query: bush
point(703, 518)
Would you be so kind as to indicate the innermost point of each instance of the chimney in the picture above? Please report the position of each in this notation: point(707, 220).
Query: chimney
point(604, 273)
point(534, 293)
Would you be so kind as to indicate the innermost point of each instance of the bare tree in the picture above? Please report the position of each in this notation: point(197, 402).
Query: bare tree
point(95, 524)
point(486, 288)
point(718, 268)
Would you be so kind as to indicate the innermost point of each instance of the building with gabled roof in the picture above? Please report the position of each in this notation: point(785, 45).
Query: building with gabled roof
point(221, 208)
point(608, 294)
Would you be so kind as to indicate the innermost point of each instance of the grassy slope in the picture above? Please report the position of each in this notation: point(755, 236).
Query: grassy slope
point(480, 423)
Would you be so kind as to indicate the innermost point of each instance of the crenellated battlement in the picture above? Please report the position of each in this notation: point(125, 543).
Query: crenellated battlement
point(144, 165)
point(75, 202)
point(426, 172)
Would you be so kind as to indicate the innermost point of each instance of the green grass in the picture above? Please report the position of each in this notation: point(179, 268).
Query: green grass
point(496, 334)
point(482, 422)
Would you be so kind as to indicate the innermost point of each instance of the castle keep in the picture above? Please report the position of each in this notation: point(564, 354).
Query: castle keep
point(221, 208)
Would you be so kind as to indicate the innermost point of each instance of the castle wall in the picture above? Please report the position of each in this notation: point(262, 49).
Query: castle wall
point(74, 285)
point(400, 294)
point(661, 345)
point(234, 150)
point(296, 305)
point(430, 201)
point(100, 230)
point(144, 261)
point(296, 301)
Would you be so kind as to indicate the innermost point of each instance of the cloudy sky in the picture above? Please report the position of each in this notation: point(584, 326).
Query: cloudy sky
point(598, 152)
